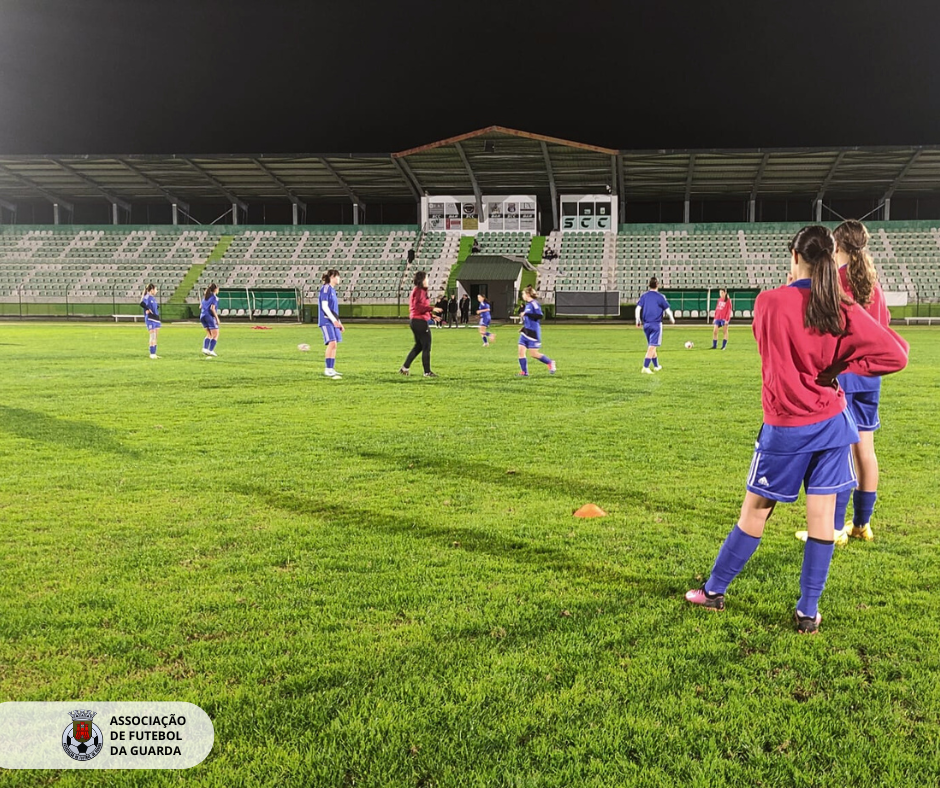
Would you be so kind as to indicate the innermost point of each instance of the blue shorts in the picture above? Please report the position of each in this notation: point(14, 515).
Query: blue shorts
point(780, 476)
point(151, 324)
point(209, 322)
point(654, 334)
point(528, 342)
point(863, 405)
point(484, 324)
point(721, 323)
point(331, 334)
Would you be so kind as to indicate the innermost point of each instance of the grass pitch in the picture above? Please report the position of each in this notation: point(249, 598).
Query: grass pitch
point(378, 581)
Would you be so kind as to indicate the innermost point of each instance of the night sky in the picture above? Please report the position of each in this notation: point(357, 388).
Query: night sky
point(196, 76)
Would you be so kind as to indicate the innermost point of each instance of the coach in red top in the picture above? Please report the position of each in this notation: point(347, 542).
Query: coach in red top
point(420, 311)
point(807, 333)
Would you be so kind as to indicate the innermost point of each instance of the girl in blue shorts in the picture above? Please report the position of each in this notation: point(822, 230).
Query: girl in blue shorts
point(530, 335)
point(807, 333)
point(484, 311)
point(209, 317)
point(148, 303)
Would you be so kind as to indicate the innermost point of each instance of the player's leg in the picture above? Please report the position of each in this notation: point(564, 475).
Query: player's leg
point(817, 557)
point(724, 343)
point(415, 349)
point(523, 361)
point(537, 354)
point(715, 336)
point(213, 340)
point(206, 340)
point(735, 551)
point(153, 342)
point(863, 504)
point(484, 331)
point(426, 352)
point(330, 358)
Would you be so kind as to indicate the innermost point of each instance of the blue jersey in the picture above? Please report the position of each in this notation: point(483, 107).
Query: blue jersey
point(211, 301)
point(653, 305)
point(531, 316)
point(484, 312)
point(328, 299)
point(149, 303)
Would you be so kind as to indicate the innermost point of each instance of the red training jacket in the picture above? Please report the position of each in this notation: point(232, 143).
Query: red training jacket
point(792, 356)
point(877, 307)
point(419, 307)
point(723, 310)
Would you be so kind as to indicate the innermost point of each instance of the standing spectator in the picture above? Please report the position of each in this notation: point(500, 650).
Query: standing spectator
point(452, 312)
point(475, 248)
point(465, 310)
point(441, 316)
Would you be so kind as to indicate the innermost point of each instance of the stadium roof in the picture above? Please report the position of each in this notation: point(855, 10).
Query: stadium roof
point(494, 160)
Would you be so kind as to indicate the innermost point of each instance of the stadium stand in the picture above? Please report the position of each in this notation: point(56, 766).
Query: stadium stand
point(44, 264)
point(371, 260)
point(739, 257)
point(92, 264)
point(507, 243)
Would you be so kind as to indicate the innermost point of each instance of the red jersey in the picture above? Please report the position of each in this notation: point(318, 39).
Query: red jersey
point(877, 307)
point(792, 356)
point(419, 306)
point(723, 309)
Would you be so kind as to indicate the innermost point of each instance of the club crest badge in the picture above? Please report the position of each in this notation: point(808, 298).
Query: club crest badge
point(82, 740)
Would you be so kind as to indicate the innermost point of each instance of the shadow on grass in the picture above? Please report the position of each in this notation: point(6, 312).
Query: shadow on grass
point(471, 540)
point(525, 481)
point(72, 435)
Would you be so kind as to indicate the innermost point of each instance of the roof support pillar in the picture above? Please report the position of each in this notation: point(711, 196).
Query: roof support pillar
point(887, 207)
point(55, 213)
point(752, 207)
point(114, 213)
point(294, 213)
point(686, 210)
point(551, 185)
point(176, 213)
point(622, 193)
point(473, 178)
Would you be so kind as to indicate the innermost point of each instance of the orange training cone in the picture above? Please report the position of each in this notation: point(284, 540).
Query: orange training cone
point(590, 510)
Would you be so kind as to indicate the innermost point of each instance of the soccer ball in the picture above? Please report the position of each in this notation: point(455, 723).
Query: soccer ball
point(689, 345)
point(303, 347)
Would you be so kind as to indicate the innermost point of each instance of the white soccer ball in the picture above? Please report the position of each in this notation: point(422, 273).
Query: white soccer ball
point(689, 345)
point(303, 347)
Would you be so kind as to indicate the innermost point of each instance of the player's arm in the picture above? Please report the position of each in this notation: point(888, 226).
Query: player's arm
point(671, 317)
point(325, 308)
point(639, 315)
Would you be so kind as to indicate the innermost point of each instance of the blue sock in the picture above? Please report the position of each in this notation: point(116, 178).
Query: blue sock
point(724, 344)
point(733, 555)
point(842, 503)
point(545, 359)
point(646, 362)
point(817, 556)
point(212, 344)
point(205, 343)
point(153, 350)
point(656, 362)
point(524, 363)
point(864, 505)
point(714, 344)
point(330, 363)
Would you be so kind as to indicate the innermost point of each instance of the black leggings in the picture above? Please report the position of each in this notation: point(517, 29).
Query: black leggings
point(422, 344)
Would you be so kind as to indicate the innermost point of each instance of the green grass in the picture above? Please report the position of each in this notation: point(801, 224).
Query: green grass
point(378, 581)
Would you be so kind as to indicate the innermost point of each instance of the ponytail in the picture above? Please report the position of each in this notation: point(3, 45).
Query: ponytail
point(328, 275)
point(209, 290)
point(816, 246)
point(852, 237)
point(530, 291)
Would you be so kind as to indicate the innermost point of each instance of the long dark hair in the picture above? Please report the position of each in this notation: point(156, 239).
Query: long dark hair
point(210, 290)
point(815, 244)
point(852, 237)
point(329, 275)
point(150, 288)
point(420, 276)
